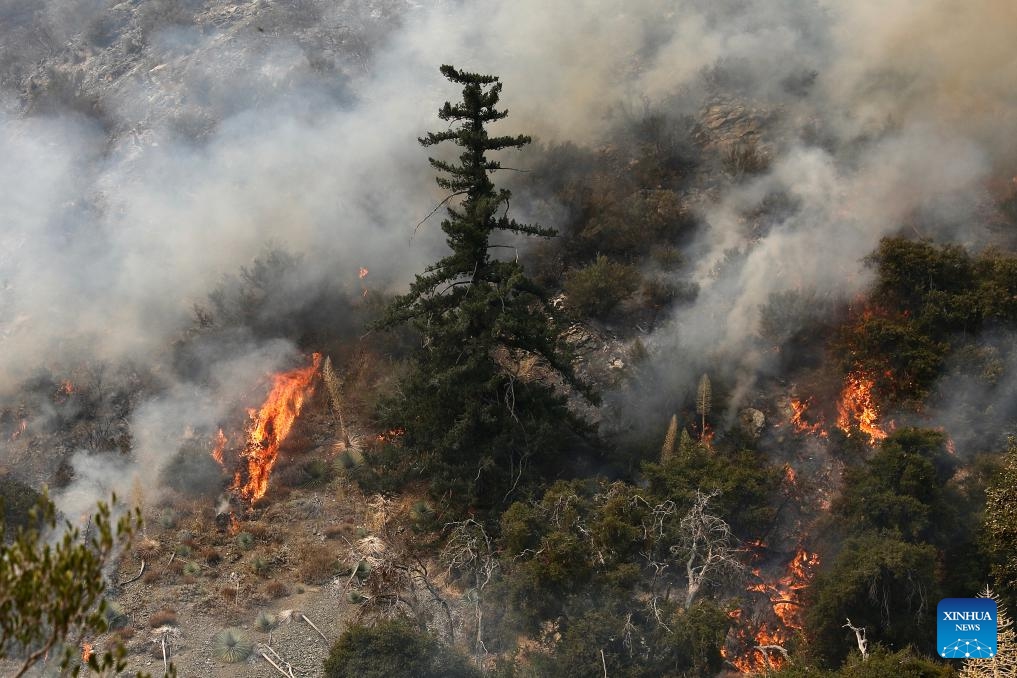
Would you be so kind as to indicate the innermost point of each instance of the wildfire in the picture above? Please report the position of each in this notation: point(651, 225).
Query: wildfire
point(857, 407)
point(271, 424)
point(22, 427)
point(798, 423)
point(67, 387)
point(86, 652)
point(390, 434)
point(234, 524)
point(785, 597)
point(220, 445)
point(363, 272)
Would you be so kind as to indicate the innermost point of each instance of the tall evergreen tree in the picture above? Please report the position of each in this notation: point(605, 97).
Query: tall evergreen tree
point(481, 425)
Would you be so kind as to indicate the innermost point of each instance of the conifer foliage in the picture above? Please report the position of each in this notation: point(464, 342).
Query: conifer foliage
point(482, 425)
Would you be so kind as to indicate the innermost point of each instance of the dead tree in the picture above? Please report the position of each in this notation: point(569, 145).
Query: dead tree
point(863, 643)
point(706, 547)
point(469, 553)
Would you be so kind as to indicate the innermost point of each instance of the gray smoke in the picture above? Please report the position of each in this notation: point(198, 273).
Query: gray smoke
point(147, 150)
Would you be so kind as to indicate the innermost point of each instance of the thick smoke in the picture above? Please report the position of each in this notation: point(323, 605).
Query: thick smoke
point(147, 151)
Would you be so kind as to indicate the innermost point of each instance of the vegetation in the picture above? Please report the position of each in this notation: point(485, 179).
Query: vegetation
point(51, 592)
point(393, 649)
point(482, 428)
point(232, 646)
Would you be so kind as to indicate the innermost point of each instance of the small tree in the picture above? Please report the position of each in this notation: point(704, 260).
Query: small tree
point(466, 405)
point(51, 593)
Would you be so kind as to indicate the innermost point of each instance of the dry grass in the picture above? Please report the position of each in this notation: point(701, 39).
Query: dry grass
point(317, 563)
point(276, 589)
point(211, 556)
point(164, 617)
point(152, 575)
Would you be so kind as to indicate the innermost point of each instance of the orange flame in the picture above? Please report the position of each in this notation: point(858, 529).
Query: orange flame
point(785, 597)
point(22, 427)
point(86, 652)
point(234, 524)
point(798, 423)
point(363, 272)
point(66, 387)
point(857, 407)
point(271, 424)
point(390, 434)
point(220, 446)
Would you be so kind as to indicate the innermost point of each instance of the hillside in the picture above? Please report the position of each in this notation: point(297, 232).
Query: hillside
point(697, 359)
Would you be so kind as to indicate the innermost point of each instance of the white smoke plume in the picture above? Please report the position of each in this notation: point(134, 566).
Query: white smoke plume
point(147, 152)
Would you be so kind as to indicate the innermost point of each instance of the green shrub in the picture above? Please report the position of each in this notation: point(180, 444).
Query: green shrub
point(394, 648)
point(597, 289)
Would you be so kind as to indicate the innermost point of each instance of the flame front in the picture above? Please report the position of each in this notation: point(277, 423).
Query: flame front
point(271, 424)
point(219, 447)
point(86, 652)
point(785, 597)
point(798, 423)
point(857, 407)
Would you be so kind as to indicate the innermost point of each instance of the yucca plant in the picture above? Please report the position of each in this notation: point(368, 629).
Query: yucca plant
point(245, 540)
point(265, 622)
point(232, 646)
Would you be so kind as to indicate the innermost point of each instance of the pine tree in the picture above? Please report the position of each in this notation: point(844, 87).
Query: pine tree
point(686, 445)
point(478, 424)
point(704, 399)
point(1004, 664)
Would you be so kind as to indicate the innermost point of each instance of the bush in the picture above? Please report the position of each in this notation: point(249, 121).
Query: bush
point(597, 289)
point(394, 648)
point(277, 589)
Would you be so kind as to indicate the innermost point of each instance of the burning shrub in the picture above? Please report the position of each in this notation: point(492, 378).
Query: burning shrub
point(232, 646)
point(598, 288)
point(164, 617)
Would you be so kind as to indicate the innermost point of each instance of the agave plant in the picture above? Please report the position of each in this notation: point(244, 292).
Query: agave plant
point(233, 645)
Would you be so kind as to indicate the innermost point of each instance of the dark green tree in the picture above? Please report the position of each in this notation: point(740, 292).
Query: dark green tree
point(474, 405)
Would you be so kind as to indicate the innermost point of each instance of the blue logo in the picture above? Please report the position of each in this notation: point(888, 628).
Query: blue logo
point(966, 628)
